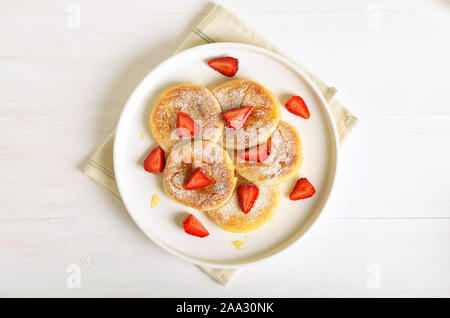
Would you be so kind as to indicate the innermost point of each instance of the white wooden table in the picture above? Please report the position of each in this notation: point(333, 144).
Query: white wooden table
point(386, 231)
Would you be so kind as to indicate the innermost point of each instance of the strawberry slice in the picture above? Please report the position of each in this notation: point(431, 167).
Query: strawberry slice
point(193, 226)
point(235, 118)
point(197, 180)
point(303, 189)
point(155, 161)
point(186, 126)
point(247, 195)
point(297, 106)
point(228, 65)
point(256, 154)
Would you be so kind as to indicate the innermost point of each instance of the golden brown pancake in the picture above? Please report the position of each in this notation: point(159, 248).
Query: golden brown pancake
point(231, 218)
point(196, 101)
point(215, 163)
point(284, 161)
point(263, 119)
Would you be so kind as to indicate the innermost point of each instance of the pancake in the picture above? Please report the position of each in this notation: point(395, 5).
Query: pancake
point(263, 119)
point(232, 219)
point(284, 161)
point(194, 100)
point(215, 163)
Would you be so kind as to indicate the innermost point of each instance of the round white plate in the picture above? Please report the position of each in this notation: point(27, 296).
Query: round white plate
point(163, 224)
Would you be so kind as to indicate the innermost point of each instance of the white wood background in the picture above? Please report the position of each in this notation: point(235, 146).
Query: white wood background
point(386, 231)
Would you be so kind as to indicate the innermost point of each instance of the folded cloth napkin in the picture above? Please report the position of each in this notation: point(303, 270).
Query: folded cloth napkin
point(218, 26)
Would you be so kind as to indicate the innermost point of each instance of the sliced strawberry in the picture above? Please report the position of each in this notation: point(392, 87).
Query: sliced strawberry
point(256, 154)
point(186, 126)
point(197, 180)
point(155, 161)
point(303, 189)
point(228, 65)
point(247, 195)
point(236, 118)
point(297, 106)
point(193, 226)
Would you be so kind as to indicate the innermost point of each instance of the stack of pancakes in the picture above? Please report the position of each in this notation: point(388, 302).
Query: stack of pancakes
point(215, 149)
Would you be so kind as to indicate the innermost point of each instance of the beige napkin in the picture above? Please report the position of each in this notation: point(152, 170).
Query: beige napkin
point(218, 26)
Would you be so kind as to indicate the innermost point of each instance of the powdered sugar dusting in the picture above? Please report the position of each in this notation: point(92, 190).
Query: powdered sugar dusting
point(285, 157)
point(262, 203)
point(231, 217)
point(196, 101)
point(263, 118)
point(214, 162)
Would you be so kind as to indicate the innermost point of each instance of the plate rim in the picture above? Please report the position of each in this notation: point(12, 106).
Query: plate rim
point(311, 220)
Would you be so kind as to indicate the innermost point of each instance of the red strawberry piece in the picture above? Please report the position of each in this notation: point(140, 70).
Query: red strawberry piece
point(303, 189)
point(247, 195)
point(228, 65)
point(236, 118)
point(155, 161)
point(256, 154)
point(186, 126)
point(297, 106)
point(197, 180)
point(193, 226)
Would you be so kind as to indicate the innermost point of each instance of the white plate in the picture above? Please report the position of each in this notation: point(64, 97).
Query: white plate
point(163, 224)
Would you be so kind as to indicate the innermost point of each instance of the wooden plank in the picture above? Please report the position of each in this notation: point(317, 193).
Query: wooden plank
point(377, 69)
point(139, 7)
point(394, 167)
point(359, 258)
